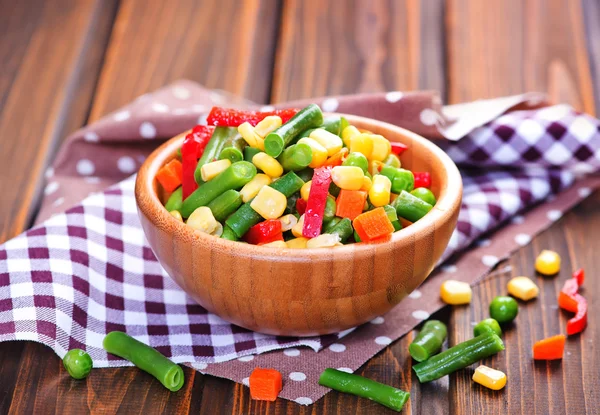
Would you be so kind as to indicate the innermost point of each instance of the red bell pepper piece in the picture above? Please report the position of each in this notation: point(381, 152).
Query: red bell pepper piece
point(227, 117)
point(578, 323)
point(264, 232)
point(579, 275)
point(398, 148)
point(191, 150)
point(422, 179)
point(315, 205)
point(301, 206)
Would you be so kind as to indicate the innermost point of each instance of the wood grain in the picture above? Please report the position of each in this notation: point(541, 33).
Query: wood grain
point(45, 72)
point(340, 47)
point(155, 43)
point(498, 48)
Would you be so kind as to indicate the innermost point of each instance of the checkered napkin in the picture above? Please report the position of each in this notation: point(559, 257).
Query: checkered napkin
point(88, 271)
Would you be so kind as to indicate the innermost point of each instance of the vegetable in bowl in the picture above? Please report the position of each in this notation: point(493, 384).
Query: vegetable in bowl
point(338, 183)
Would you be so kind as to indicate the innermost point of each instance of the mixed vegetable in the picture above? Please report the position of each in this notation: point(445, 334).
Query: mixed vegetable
point(324, 181)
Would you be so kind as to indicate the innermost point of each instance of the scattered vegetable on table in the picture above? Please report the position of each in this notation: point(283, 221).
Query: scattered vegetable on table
point(490, 378)
point(504, 309)
point(78, 363)
point(265, 384)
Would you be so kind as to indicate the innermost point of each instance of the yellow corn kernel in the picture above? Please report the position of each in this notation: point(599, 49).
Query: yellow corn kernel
point(269, 203)
point(202, 220)
point(210, 170)
point(547, 262)
point(349, 132)
point(455, 292)
point(251, 189)
point(297, 243)
point(380, 191)
point(331, 142)
point(347, 177)
point(305, 190)
point(381, 147)
point(490, 378)
point(522, 288)
point(375, 167)
point(177, 215)
point(325, 240)
point(218, 231)
point(367, 183)
point(362, 143)
point(288, 222)
point(319, 153)
point(276, 244)
point(267, 164)
point(248, 133)
point(268, 125)
point(297, 228)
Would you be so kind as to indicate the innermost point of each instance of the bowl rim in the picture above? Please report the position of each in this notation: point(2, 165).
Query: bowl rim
point(449, 197)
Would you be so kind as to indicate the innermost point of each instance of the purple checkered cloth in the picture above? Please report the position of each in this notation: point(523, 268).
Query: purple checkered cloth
point(88, 271)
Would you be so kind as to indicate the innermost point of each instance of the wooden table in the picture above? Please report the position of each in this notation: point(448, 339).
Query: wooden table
point(65, 63)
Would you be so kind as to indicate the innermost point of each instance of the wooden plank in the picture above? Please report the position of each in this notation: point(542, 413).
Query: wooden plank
point(340, 47)
point(45, 77)
point(498, 48)
point(156, 42)
point(591, 13)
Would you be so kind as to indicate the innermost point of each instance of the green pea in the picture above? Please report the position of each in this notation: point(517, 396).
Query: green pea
point(78, 363)
point(424, 194)
point(357, 159)
point(504, 309)
point(487, 325)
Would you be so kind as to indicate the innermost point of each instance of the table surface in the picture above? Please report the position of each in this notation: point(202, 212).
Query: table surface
point(65, 63)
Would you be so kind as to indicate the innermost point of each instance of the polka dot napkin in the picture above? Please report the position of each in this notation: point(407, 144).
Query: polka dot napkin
point(87, 271)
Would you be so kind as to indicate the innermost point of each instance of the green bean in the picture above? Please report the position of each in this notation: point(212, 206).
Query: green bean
point(331, 124)
point(250, 152)
point(344, 229)
point(291, 203)
point(392, 160)
point(334, 190)
point(328, 227)
point(357, 159)
point(487, 325)
point(306, 174)
point(425, 194)
point(343, 124)
point(213, 149)
point(356, 237)
point(458, 357)
point(504, 309)
point(246, 217)
point(295, 157)
point(429, 341)
point(175, 200)
point(401, 179)
point(393, 217)
point(229, 234)
point(225, 204)
point(78, 363)
point(233, 149)
point(330, 209)
point(146, 358)
point(234, 177)
point(410, 207)
point(385, 395)
point(308, 117)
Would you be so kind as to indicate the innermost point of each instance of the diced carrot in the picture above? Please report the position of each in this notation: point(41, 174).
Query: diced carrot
point(265, 384)
point(549, 349)
point(170, 175)
point(373, 224)
point(337, 158)
point(350, 203)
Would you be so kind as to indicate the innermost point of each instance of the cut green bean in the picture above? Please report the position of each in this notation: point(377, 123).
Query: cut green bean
point(356, 237)
point(175, 200)
point(488, 325)
point(385, 395)
point(296, 157)
point(425, 194)
point(429, 340)
point(78, 363)
point(334, 190)
point(225, 204)
point(328, 227)
point(343, 124)
point(332, 124)
point(357, 159)
point(308, 117)
point(250, 152)
point(410, 207)
point(306, 174)
point(330, 208)
point(343, 229)
point(212, 150)
point(229, 234)
point(458, 357)
point(246, 217)
point(234, 177)
point(146, 358)
point(393, 217)
point(233, 149)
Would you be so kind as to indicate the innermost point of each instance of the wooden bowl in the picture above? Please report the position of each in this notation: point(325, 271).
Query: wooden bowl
point(304, 292)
